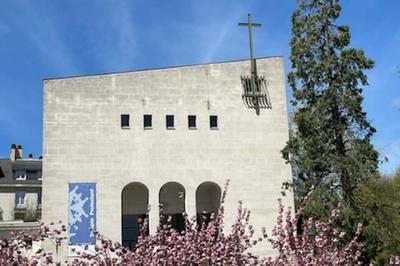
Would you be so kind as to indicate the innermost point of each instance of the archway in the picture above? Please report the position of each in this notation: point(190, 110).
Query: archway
point(172, 199)
point(208, 199)
point(135, 201)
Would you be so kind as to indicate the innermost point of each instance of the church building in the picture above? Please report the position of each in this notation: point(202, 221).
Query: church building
point(115, 143)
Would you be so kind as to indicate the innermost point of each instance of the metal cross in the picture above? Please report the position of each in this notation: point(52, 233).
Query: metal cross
point(250, 24)
point(253, 69)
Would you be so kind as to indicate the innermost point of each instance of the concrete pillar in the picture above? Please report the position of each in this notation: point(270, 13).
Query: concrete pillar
point(154, 217)
point(191, 202)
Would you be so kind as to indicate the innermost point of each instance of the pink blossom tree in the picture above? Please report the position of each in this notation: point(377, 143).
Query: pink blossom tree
point(320, 243)
point(15, 251)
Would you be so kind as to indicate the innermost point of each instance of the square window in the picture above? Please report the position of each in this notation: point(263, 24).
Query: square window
point(39, 175)
point(125, 121)
point(147, 123)
point(20, 199)
point(31, 175)
point(192, 121)
point(170, 121)
point(213, 122)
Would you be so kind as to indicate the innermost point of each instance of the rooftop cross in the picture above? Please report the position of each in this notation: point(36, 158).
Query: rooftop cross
point(252, 96)
point(250, 24)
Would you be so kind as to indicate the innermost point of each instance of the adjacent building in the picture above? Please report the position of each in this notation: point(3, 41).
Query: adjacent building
point(20, 191)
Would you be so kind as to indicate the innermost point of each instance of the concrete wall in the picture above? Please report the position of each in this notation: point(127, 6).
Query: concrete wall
point(31, 202)
point(83, 139)
point(7, 204)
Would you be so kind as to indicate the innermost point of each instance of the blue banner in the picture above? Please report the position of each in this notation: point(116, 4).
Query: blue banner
point(81, 213)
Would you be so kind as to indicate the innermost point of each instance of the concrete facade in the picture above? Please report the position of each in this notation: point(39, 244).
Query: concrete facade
point(7, 205)
point(83, 139)
point(8, 208)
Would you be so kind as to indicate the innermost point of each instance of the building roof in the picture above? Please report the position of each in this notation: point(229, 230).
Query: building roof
point(159, 68)
point(7, 167)
point(27, 165)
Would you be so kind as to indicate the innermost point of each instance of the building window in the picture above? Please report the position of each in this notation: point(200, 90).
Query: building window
point(31, 175)
point(170, 121)
point(20, 199)
point(125, 121)
point(20, 175)
point(135, 202)
point(208, 198)
point(192, 121)
point(147, 122)
point(213, 122)
point(172, 201)
point(39, 175)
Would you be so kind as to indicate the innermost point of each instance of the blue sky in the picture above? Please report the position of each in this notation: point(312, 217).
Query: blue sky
point(46, 38)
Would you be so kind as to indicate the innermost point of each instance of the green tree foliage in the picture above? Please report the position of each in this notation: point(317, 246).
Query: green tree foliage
point(329, 146)
point(379, 205)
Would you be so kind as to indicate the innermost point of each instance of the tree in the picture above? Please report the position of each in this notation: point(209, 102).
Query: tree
point(380, 202)
point(329, 146)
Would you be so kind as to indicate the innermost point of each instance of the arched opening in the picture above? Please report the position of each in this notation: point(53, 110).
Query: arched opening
point(172, 199)
point(208, 199)
point(135, 201)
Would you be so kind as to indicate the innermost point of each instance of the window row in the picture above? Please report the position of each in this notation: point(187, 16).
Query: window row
point(28, 175)
point(169, 121)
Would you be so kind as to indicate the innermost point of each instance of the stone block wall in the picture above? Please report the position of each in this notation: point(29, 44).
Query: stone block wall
point(83, 140)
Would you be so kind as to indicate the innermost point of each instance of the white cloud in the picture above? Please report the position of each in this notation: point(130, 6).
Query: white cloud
point(219, 41)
